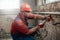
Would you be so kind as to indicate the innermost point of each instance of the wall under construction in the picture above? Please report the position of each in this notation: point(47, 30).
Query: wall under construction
point(51, 7)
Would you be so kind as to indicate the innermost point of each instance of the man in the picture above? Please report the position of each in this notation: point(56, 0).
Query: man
point(20, 29)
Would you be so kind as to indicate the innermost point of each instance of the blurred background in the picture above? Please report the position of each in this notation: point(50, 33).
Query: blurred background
point(10, 8)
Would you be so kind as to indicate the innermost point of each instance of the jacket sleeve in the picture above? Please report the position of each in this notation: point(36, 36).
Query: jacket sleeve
point(21, 27)
point(30, 16)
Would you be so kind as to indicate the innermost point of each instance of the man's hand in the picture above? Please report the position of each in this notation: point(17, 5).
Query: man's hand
point(47, 17)
point(41, 25)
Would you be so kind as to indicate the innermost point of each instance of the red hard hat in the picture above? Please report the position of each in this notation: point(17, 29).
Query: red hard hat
point(25, 7)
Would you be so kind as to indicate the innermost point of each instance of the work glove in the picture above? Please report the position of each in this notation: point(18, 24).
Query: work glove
point(41, 25)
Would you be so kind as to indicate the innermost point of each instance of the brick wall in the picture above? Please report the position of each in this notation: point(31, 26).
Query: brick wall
point(51, 7)
point(51, 31)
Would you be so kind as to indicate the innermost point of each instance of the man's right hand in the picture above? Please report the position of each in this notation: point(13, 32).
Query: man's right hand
point(41, 25)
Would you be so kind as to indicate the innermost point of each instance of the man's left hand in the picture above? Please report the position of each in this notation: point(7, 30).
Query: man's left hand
point(47, 17)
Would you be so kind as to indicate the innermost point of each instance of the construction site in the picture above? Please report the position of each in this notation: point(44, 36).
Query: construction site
point(10, 8)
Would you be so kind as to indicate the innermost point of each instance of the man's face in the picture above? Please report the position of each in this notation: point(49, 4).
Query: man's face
point(25, 13)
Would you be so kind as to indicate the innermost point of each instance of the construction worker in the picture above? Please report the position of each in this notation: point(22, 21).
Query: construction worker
point(19, 27)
